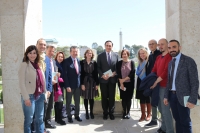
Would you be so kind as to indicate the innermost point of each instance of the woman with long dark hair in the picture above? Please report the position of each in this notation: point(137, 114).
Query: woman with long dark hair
point(32, 89)
point(58, 89)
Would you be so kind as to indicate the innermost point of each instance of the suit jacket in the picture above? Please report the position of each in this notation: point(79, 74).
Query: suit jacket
point(186, 80)
point(103, 66)
point(145, 85)
point(131, 74)
point(71, 78)
point(27, 79)
point(48, 74)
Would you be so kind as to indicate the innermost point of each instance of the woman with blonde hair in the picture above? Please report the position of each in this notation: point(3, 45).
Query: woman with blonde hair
point(89, 81)
point(141, 73)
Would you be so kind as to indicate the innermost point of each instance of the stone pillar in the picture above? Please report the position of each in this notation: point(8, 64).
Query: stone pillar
point(20, 26)
point(183, 24)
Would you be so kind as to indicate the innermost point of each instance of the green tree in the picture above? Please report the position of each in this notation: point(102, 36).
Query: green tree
point(65, 50)
point(135, 48)
point(99, 49)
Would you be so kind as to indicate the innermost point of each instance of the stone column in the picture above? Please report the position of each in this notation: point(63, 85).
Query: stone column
point(20, 25)
point(183, 24)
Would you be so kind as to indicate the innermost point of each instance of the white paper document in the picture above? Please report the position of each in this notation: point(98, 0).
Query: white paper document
point(109, 73)
point(186, 100)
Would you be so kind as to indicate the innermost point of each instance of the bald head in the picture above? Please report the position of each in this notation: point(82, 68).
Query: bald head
point(163, 45)
point(152, 45)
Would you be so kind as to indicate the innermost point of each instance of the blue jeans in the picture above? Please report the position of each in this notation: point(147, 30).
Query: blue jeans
point(37, 107)
point(166, 116)
point(181, 115)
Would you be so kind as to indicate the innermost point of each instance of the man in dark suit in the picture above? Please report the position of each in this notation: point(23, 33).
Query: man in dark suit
point(107, 61)
point(152, 44)
point(182, 81)
point(72, 72)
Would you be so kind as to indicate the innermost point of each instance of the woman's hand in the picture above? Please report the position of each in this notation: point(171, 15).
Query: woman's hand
point(97, 87)
point(121, 81)
point(83, 87)
point(27, 102)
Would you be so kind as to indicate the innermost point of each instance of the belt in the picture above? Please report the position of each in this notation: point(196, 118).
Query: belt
point(174, 92)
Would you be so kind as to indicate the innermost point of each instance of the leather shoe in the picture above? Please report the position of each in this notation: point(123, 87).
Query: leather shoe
point(112, 117)
point(91, 115)
point(70, 120)
point(87, 116)
point(61, 122)
point(105, 117)
point(49, 125)
point(78, 118)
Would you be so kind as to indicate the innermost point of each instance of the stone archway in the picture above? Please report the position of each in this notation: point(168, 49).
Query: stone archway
point(20, 26)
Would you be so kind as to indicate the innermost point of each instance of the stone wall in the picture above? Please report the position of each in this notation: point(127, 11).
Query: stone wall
point(183, 24)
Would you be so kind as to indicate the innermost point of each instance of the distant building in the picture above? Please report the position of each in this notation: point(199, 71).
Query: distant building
point(52, 42)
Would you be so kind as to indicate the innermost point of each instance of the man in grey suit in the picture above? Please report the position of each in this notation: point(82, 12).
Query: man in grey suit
point(182, 81)
point(107, 61)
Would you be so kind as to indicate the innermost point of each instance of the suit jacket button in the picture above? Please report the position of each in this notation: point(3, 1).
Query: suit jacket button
point(29, 82)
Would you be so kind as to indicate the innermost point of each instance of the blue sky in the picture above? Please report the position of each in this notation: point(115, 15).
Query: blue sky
point(83, 22)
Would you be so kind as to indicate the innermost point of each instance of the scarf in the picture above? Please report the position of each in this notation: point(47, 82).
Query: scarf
point(141, 72)
point(39, 80)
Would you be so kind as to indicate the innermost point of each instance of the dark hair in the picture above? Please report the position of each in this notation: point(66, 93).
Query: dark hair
point(175, 41)
point(28, 50)
point(58, 54)
point(87, 52)
point(108, 41)
point(127, 52)
point(73, 47)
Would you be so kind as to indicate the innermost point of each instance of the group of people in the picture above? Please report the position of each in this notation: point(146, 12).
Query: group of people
point(164, 78)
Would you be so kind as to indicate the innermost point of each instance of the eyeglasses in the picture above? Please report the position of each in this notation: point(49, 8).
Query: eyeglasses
point(151, 44)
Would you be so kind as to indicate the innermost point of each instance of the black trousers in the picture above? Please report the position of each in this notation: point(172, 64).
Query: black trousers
point(48, 108)
point(108, 97)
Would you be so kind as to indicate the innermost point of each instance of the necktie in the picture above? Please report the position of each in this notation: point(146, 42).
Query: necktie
point(76, 66)
point(172, 73)
point(109, 60)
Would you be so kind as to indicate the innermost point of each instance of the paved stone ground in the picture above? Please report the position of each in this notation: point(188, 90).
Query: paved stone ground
point(96, 125)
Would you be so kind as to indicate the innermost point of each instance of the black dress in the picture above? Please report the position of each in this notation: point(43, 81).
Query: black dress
point(89, 78)
point(128, 94)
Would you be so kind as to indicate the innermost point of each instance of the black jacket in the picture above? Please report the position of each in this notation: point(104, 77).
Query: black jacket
point(151, 61)
point(145, 85)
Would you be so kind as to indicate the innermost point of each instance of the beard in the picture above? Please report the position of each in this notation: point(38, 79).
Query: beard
point(174, 53)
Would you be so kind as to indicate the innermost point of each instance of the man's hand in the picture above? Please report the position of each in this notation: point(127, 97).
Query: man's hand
point(165, 101)
point(27, 102)
point(105, 77)
point(58, 74)
point(113, 74)
point(154, 85)
point(190, 105)
point(48, 94)
point(83, 87)
point(122, 86)
point(69, 89)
